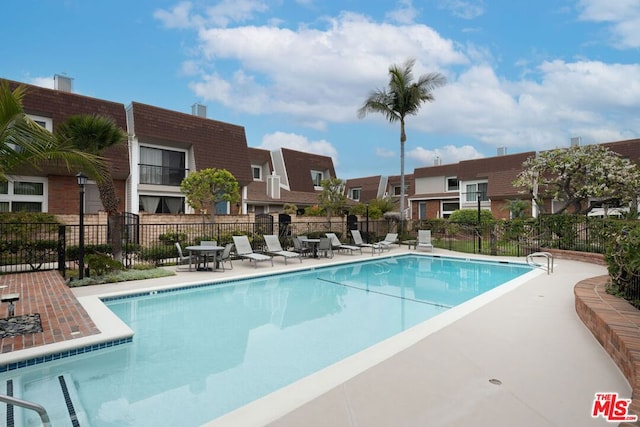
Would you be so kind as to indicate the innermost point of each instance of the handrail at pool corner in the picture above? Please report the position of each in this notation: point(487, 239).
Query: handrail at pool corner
point(547, 255)
point(44, 416)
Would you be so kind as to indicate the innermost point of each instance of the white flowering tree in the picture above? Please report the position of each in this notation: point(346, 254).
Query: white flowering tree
point(574, 175)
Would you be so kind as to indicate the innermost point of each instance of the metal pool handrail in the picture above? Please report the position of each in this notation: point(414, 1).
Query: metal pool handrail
point(547, 255)
point(44, 417)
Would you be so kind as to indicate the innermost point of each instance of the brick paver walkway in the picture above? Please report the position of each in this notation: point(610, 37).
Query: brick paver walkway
point(44, 292)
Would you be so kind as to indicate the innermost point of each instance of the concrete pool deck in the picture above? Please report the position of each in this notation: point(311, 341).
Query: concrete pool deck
point(523, 358)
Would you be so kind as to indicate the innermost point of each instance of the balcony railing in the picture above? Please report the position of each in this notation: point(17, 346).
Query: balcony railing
point(161, 175)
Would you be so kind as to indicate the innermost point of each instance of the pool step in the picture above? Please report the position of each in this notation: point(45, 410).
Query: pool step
point(57, 394)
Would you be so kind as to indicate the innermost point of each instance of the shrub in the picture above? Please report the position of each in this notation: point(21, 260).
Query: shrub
point(171, 237)
point(470, 216)
point(102, 264)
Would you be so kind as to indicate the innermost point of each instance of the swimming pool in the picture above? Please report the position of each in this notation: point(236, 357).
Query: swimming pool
point(199, 353)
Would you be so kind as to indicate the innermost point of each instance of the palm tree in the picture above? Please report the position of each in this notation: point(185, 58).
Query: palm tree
point(403, 97)
point(93, 133)
point(25, 143)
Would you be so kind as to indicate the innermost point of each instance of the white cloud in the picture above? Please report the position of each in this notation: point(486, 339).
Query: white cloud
point(297, 142)
point(46, 82)
point(623, 15)
point(384, 153)
point(446, 154)
point(178, 17)
point(405, 13)
point(463, 9)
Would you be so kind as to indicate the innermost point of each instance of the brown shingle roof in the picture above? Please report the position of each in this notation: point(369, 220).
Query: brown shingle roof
point(259, 156)
point(58, 105)
point(480, 168)
point(299, 166)
point(215, 144)
point(368, 187)
point(257, 193)
point(441, 170)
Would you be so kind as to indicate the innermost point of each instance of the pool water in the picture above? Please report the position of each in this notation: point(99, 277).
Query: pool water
point(199, 353)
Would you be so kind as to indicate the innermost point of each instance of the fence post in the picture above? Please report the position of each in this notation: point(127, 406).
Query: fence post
point(62, 249)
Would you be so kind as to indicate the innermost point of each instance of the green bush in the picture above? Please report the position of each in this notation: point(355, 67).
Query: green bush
point(622, 258)
point(171, 237)
point(101, 264)
point(470, 216)
point(157, 254)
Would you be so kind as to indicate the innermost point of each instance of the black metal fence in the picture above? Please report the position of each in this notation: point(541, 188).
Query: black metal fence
point(31, 246)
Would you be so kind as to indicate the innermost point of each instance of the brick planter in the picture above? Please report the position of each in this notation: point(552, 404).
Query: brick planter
point(616, 325)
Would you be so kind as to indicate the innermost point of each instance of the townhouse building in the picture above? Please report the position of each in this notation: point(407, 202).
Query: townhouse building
point(162, 147)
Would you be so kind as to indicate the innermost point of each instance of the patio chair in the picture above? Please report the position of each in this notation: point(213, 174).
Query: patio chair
point(390, 239)
point(424, 240)
point(184, 259)
point(244, 250)
point(336, 244)
point(274, 248)
point(357, 239)
point(325, 246)
point(300, 248)
point(225, 256)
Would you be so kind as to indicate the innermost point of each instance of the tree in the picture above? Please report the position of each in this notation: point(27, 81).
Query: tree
point(207, 187)
point(93, 134)
point(576, 174)
point(403, 97)
point(25, 143)
point(332, 198)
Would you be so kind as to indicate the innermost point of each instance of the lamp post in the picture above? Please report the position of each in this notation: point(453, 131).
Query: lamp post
point(367, 222)
point(82, 181)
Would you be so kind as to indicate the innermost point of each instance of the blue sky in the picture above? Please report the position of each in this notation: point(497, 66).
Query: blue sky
point(521, 74)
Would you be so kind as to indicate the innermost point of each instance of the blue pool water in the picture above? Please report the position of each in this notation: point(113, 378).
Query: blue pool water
point(200, 353)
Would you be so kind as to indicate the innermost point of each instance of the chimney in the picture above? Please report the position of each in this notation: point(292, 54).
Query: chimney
point(502, 151)
point(273, 186)
point(576, 141)
point(62, 83)
point(199, 110)
point(437, 161)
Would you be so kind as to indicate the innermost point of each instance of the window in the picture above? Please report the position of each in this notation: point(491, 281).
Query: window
point(448, 208)
point(396, 190)
point(476, 190)
point(317, 177)
point(161, 167)
point(355, 193)
point(162, 204)
point(26, 194)
point(422, 210)
point(45, 122)
point(257, 173)
point(453, 184)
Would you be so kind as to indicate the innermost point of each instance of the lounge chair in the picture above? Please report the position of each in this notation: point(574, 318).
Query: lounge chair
point(390, 239)
point(357, 239)
point(274, 248)
point(424, 240)
point(336, 244)
point(244, 250)
point(225, 256)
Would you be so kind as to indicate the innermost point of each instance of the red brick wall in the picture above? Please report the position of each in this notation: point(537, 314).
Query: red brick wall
point(64, 194)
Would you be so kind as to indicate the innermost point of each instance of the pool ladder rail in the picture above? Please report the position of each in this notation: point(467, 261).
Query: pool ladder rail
point(531, 260)
point(44, 416)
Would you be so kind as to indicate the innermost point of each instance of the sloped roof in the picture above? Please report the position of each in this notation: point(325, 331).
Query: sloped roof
point(440, 170)
point(469, 170)
point(58, 105)
point(299, 166)
point(257, 193)
point(368, 186)
point(629, 149)
point(215, 144)
point(259, 156)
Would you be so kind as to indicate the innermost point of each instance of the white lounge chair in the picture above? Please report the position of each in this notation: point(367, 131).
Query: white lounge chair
point(336, 244)
point(275, 248)
point(244, 250)
point(424, 240)
point(357, 239)
point(390, 239)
